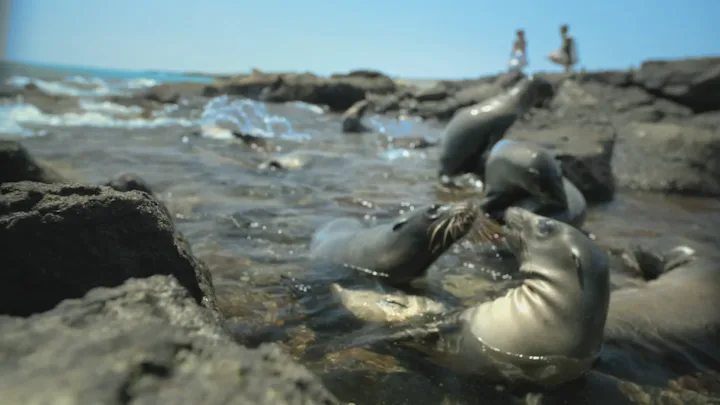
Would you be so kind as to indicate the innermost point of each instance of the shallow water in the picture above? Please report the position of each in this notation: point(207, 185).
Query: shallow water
point(252, 227)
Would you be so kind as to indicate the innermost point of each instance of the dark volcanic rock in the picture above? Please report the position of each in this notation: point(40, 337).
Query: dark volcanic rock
point(59, 241)
point(692, 82)
point(170, 93)
point(16, 164)
point(129, 182)
point(339, 93)
point(435, 93)
point(144, 342)
point(369, 80)
point(45, 102)
point(668, 158)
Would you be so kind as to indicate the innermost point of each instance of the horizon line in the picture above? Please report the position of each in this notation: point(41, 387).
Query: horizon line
point(70, 67)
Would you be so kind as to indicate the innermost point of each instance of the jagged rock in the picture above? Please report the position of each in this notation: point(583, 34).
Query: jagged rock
point(435, 93)
point(339, 93)
point(129, 182)
point(668, 158)
point(609, 77)
point(16, 164)
point(61, 240)
point(369, 80)
point(694, 82)
point(170, 93)
point(144, 342)
point(47, 103)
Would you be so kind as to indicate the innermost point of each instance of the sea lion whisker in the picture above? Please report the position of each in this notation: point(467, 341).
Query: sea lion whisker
point(462, 223)
point(447, 230)
point(435, 229)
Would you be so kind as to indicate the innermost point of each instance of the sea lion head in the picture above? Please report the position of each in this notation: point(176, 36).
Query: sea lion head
point(522, 170)
point(438, 226)
point(533, 91)
point(555, 250)
point(417, 239)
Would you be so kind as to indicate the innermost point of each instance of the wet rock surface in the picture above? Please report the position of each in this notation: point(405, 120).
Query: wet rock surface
point(669, 158)
point(143, 342)
point(103, 302)
point(16, 164)
point(59, 241)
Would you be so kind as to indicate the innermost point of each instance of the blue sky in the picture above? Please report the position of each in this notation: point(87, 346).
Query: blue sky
point(419, 39)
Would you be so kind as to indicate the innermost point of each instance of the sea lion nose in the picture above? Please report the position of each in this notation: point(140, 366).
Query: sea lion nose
point(513, 216)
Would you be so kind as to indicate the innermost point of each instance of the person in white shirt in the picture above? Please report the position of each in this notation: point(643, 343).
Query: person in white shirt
point(518, 56)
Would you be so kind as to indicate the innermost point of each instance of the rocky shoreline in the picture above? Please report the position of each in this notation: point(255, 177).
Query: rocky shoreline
point(104, 302)
point(652, 129)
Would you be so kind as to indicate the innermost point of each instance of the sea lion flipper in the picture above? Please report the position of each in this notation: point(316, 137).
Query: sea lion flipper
point(415, 330)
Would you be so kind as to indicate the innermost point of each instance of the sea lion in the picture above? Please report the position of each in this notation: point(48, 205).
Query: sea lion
point(671, 322)
point(527, 175)
point(473, 130)
point(398, 252)
point(352, 118)
point(547, 331)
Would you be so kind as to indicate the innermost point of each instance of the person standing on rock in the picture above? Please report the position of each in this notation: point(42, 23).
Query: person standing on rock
point(518, 56)
point(566, 56)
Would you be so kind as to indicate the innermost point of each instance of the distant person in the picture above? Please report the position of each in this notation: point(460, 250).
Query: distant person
point(566, 56)
point(518, 56)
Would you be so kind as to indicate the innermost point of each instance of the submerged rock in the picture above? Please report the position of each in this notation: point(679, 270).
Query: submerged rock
point(144, 342)
point(16, 164)
point(60, 241)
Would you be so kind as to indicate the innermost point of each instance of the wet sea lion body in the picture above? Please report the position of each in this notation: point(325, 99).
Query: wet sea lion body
point(671, 324)
point(527, 175)
point(473, 130)
point(398, 252)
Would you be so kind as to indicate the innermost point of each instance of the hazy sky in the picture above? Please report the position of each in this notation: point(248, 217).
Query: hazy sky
point(407, 38)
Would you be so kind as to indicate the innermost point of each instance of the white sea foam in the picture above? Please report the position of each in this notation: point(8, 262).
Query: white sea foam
point(16, 118)
point(308, 107)
point(76, 87)
point(397, 127)
point(108, 107)
point(81, 86)
point(247, 116)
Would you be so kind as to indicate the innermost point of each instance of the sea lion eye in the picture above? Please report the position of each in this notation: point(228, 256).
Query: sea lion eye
point(399, 224)
point(434, 211)
point(544, 228)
